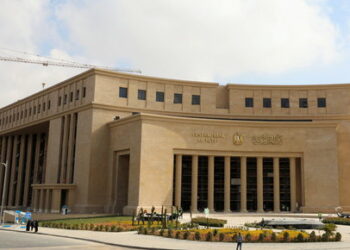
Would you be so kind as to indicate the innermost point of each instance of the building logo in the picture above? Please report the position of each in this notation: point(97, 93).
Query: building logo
point(237, 139)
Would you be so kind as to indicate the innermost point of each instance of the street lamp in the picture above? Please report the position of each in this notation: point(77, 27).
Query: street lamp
point(3, 192)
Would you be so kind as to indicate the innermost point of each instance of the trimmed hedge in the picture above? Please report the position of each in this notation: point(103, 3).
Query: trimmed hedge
point(337, 220)
point(209, 222)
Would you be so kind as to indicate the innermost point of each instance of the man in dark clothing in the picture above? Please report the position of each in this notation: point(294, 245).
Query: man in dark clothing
point(239, 241)
point(29, 222)
point(36, 225)
point(31, 225)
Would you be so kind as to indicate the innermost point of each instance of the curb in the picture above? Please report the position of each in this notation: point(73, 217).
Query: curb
point(90, 240)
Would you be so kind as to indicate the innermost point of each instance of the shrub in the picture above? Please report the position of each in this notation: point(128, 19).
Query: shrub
point(161, 232)
point(140, 230)
point(300, 237)
point(185, 235)
point(329, 228)
point(202, 221)
point(337, 236)
point(113, 228)
point(261, 237)
point(209, 236)
point(177, 235)
point(197, 235)
point(153, 230)
point(273, 236)
point(234, 237)
point(325, 236)
point(248, 237)
point(336, 220)
point(215, 232)
point(91, 226)
point(285, 236)
point(145, 230)
point(313, 237)
point(120, 229)
point(170, 232)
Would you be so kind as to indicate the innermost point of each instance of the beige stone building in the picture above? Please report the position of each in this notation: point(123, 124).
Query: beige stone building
point(113, 142)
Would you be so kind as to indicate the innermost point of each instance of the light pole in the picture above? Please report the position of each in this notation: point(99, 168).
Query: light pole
point(3, 192)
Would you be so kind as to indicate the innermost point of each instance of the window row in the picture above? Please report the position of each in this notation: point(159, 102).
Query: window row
point(71, 97)
point(26, 113)
point(303, 102)
point(141, 95)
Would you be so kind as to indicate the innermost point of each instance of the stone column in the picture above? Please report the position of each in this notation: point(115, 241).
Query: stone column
point(35, 200)
point(260, 185)
point(36, 162)
point(9, 161)
point(276, 184)
point(13, 171)
point(20, 171)
point(194, 189)
point(47, 201)
point(243, 184)
point(56, 201)
point(211, 170)
point(227, 185)
point(65, 150)
point(28, 171)
point(178, 180)
point(70, 149)
point(3, 160)
point(42, 200)
point(293, 199)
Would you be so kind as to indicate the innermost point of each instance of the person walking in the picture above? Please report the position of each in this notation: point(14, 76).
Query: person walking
point(239, 241)
point(36, 225)
point(31, 225)
point(29, 222)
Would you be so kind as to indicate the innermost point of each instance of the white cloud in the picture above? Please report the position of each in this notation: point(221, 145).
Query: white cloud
point(185, 39)
point(203, 39)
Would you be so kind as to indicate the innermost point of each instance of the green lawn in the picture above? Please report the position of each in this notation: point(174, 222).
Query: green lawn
point(93, 220)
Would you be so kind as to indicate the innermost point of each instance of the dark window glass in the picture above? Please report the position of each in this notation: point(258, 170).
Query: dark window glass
point(71, 97)
point(21, 115)
point(267, 102)
point(141, 94)
point(196, 99)
point(44, 106)
point(25, 113)
point(77, 93)
point(49, 105)
point(30, 111)
point(177, 98)
point(34, 110)
point(159, 96)
point(302, 102)
point(249, 102)
point(321, 102)
point(123, 92)
point(59, 100)
point(284, 103)
point(84, 92)
point(39, 107)
point(65, 99)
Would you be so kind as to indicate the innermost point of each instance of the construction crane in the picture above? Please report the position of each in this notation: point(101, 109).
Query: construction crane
point(47, 61)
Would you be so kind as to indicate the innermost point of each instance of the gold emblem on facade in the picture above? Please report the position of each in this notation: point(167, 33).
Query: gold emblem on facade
point(237, 139)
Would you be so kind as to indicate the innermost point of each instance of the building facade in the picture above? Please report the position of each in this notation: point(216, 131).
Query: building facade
point(113, 142)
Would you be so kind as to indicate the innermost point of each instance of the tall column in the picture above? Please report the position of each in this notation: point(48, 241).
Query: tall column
point(211, 170)
point(20, 171)
point(243, 184)
point(276, 184)
point(42, 200)
point(260, 185)
point(65, 150)
point(56, 201)
point(36, 159)
point(9, 161)
point(70, 149)
point(13, 172)
point(227, 185)
point(178, 180)
point(293, 199)
point(3, 160)
point(194, 190)
point(47, 201)
point(28, 171)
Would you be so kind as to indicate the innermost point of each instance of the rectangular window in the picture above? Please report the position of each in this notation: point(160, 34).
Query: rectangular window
point(65, 99)
point(177, 98)
point(321, 102)
point(71, 96)
point(30, 111)
point(25, 113)
point(77, 93)
point(39, 107)
point(59, 100)
point(34, 110)
point(284, 103)
point(196, 99)
point(249, 102)
point(44, 106)
point(123, 92)
point(84, 92)
point(303, 103)
point(49, 105)
point(159, 96)
point(141, 94)
point(267, 102)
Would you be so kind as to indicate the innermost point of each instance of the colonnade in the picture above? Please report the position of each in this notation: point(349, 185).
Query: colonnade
point(243, 183)
point(25, 158)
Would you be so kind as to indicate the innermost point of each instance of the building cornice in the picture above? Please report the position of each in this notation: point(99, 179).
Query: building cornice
point(288, 87)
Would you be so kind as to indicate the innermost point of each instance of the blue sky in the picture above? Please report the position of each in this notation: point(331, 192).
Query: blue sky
point(227, 41)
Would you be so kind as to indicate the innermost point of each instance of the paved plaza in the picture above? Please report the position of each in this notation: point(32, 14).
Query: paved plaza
point(133, 240)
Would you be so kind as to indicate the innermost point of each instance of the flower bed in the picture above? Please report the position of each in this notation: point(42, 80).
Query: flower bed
point(337, 220)
point(230, 234)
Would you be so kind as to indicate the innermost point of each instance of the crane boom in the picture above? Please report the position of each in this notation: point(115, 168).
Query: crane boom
point(63, 64)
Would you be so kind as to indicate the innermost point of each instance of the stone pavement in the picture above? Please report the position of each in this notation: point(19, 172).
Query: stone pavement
point(132, 239)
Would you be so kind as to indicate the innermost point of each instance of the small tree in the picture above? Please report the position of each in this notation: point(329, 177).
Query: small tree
point(221, 236)
point(337, 236)
point(209, 236)
point(285, 236)
point(197, 235)
point(300, 237)
point(313, 237)
point(185, 235)
point(273, 236)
